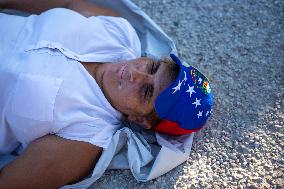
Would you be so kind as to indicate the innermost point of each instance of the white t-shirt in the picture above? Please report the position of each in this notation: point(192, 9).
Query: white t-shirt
point(44, 89)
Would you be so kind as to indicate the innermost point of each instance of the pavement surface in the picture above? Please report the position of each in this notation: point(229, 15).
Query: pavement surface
point(239, 45)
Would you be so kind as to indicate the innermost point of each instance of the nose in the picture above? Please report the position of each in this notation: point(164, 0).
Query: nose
point(139, 76)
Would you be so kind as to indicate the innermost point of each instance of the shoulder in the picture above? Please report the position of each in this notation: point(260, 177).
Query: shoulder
point(61, 12)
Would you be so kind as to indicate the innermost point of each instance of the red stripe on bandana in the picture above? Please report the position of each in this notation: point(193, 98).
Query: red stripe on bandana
point(172, 128)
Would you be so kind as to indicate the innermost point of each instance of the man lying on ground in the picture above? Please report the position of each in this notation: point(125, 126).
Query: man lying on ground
point(68, 79)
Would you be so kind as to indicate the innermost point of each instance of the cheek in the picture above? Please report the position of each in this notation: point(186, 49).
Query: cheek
point(130, 100)
point(130, 91)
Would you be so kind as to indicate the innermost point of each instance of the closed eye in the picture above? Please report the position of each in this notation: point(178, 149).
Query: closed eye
point(154, 67)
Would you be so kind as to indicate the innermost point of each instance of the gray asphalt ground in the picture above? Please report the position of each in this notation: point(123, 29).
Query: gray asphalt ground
point(239, 45)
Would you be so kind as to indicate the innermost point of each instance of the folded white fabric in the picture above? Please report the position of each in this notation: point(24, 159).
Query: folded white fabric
point(147, 154)
point(130, 150)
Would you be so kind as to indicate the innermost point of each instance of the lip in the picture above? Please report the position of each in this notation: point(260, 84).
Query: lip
point(122, 71)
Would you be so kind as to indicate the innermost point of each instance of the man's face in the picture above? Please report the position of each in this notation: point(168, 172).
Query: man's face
point(132, 86)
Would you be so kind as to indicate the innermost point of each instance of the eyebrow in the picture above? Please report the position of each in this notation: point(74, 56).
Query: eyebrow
point(157, 85)
point(157, 66)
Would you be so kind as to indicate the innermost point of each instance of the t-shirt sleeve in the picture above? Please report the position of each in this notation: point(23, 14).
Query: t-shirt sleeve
point(98, 133)
point(123, 32)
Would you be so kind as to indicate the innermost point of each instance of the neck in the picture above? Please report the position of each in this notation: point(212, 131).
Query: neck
point(95, 70)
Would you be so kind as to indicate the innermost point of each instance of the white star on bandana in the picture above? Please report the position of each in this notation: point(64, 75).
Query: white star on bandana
point(207, 113)
point(199, 80)
point(176, 88)
point(197, 102)
point(185, 78)
point(199, 114)
point(190, 90)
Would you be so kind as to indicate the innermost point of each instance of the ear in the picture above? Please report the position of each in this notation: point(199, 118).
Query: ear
point(140, 120)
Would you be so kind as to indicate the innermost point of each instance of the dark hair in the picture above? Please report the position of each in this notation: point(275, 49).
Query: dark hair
point(173, 71)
